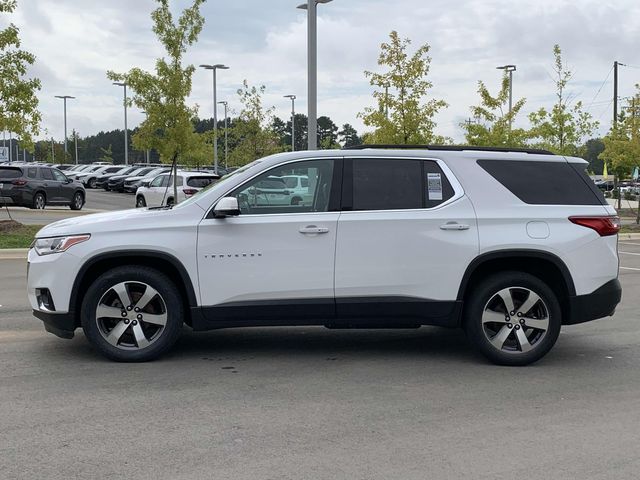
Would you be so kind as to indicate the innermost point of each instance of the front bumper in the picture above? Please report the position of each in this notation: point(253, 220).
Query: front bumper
point(598, 304)
point(60, 324)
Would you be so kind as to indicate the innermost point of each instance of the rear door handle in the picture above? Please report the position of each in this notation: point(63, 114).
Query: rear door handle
point(313, 229)
point(454, 226)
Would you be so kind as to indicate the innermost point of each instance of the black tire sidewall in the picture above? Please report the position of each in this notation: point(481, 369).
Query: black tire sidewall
point(73, 201)
point(165, 287)
point(482, 293)
point(35, 203)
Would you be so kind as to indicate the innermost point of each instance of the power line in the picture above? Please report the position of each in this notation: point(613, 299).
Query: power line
point(600, 89)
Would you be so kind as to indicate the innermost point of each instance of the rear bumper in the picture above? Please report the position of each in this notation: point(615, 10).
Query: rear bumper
point(598, 304)
point(60, 324)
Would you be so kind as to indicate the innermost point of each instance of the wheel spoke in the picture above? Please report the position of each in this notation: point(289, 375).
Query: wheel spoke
point(500, 337)
point(489, 316)
point(104, 311)
point(160, 319)
point(146, 297)
point(529, 303)
point(523, 341)
point(141, 339)
point(123, 294)
point(507, 299)
point(116, 333)
point(537, 323)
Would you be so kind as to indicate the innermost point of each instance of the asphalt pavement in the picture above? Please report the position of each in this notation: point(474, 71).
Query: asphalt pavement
point(311, 403)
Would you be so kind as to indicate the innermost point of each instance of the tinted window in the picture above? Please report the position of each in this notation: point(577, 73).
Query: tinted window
point(387, 184)
point(200, 182)
point(46, 173)
point(543, 183)
point(59, 176)
point(32, 172)
point(437, 188)
point(291, 182)
point(267, 193)
point(10, 172)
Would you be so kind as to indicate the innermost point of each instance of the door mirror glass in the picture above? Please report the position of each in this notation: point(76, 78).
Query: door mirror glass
point(226, 207)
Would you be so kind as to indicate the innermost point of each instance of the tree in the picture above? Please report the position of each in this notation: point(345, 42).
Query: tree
point(402, 115)
point(327, 133)
point(18, 101)
point(562, 129)
point(591, 152)
point(253, 129)
point(301, 123)
point(349, 136)
point(494, 123)
point(168, 127)
point(107, 154)
point(279, 128)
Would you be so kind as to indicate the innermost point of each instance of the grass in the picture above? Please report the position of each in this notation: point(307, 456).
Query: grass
point(16, 235)
point(633, 228)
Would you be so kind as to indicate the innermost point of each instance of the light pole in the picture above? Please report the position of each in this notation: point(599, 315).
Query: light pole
point(64, 99)
point(146, 152)
point(226, 138)
point(312, 71)
point(510, 69)
point(126, 140)
point(215, 112)
point(293, 118)
point(75, 139)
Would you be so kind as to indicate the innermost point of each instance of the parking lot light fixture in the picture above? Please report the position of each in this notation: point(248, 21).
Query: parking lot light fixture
point(293, 117)
point(64, 99)
point(126, 140)
point(312, 71)
point(214, 68)
point(510, 69)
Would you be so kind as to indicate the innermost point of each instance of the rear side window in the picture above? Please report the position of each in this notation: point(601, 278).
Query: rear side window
point(32, 172)
point(544, 183)
point(393, 184)
point(10, 172)
point(46, 174)
point(199, 182)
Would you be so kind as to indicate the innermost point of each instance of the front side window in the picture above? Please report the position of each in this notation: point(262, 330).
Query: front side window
point(269, 192)
point(46, 174)
point(158, 181)
point(59, 176)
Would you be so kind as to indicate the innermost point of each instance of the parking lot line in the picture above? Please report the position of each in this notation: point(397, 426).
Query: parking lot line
point(630, 268)
point(629, 243)
point(630, 253)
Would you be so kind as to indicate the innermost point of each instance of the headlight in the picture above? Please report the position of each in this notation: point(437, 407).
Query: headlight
point(46, 246)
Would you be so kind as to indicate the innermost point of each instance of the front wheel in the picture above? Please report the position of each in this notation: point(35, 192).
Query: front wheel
point(92, 183)
point(77, 202)
point(132, 314)
point(140, 202)
point(512, 318)
point(39, 201)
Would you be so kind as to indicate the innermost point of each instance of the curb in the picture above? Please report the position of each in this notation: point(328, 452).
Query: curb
point(14, 253)
point(629, 236)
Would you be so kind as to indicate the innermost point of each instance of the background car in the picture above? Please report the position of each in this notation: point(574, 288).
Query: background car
point(131, 184)
point(160, 192)
point(90, 179)
point(116, 182)
point(37, 187)
point(101, 180)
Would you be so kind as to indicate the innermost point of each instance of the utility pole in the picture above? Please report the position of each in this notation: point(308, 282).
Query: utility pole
point(226, 137)
point(616, 64)
point(293, 120)
point(214, 68)
point(75, 138)
point(510, 69)
point(126, 138)
point(53, 152)
point(64, 99)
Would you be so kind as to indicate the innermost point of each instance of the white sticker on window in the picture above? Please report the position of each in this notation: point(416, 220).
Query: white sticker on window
point(434, 186)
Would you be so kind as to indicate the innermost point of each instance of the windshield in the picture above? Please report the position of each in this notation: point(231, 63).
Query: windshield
point(221, 181)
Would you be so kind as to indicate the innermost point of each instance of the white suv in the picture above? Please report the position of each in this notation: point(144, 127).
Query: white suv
point(159, 191)
point(509, 245)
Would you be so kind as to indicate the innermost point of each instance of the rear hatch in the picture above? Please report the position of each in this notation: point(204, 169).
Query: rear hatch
point(9, 175)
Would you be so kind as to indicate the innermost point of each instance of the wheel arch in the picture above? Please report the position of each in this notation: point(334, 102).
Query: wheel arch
point(161, 261)
point(544, 265)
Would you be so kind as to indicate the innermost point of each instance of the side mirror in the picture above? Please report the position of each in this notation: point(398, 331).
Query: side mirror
point(68, 180)
point(226, 207)
point(145, 183)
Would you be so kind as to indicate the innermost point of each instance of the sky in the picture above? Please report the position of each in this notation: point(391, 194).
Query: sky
point(264, 42)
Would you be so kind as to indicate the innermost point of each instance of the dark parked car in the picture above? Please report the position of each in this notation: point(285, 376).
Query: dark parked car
point(37, 187)
point(103, 179)
point(116, 182)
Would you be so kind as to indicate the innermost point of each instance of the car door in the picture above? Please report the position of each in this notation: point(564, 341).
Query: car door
point(51, 185)
point(67, 189)
point(405, 237)
point(273, 263)
point(156, 190)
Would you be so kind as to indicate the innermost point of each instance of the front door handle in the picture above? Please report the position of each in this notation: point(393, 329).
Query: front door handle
point(313, 229)
point(454, 226)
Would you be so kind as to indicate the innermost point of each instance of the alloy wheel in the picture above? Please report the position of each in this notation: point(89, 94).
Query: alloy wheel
point(77, 201)
point(515, 320)
point(39, 201)
point(131, 315)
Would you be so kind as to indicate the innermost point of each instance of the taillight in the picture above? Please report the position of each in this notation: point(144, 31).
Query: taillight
point(189, 191)
point(603, 225)
point(20, 183)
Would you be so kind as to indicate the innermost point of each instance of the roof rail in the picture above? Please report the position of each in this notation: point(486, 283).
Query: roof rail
point(453, 148)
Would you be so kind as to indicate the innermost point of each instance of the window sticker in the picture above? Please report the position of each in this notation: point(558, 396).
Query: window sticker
point(434, 186)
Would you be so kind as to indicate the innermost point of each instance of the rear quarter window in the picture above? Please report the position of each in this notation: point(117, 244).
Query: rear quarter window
point(10, 172)
point(199, 182)
point(545, 183)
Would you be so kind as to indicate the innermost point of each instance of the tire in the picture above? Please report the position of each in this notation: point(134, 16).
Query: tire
point(91, 183)
point(140, 202)
point(132, 338)
point(524, 336)
point(170, 202)
point(77, 202)
point(39, 201)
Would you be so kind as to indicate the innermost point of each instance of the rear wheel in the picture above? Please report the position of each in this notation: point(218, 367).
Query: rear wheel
point(77, 202)
point(513, 318)
point(140, 202)
point(92, 183)
point(132, 314)
point(39, 201)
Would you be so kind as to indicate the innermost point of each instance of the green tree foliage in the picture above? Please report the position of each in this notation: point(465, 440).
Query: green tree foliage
point(494, 123)
point(410, 116)
point(18, 101)
point(327, 133)
point(564, 127)
point(253, 131)
point(168, 127)
point(349, 136)
point(107, 154)
point(590, 152)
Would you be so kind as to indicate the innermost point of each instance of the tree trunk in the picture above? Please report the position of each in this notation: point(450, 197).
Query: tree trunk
point(175, 183)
